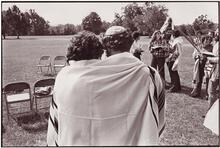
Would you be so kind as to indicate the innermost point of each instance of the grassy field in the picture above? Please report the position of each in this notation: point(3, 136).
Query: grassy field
point(184, 121)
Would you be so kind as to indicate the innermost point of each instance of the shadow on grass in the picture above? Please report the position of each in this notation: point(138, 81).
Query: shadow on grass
point(49, 74)
point(34, 122)
point(187, 91)
point(20, 38)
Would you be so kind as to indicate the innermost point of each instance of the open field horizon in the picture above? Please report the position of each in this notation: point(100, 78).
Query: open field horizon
point(184, 121)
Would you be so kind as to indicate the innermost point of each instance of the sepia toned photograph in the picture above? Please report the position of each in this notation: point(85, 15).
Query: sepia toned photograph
point(111, 73)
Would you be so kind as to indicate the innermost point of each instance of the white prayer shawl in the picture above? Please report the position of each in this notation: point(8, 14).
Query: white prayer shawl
point(177, 42)
point(215, 70)
point(212, 118)
point(196, 72)
point(117, 101)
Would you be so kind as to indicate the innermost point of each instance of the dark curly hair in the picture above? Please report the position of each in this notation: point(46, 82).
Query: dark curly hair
point(85, 45)
point(118, 42)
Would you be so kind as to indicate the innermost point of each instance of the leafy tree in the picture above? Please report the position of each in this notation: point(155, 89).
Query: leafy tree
point(203, 24)
point(141, 25)
point(146, 19)
point(154, 16)
point(69, 29)
point(38, 25)
point(182, 28)
point(118, 21)
point(17, 20)
point(132, 10)
point(78, 28)
point(105, 25)
point(92, 23)
point(5, 24)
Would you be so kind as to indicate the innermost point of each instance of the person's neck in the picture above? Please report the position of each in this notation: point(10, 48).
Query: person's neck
point(115, 52)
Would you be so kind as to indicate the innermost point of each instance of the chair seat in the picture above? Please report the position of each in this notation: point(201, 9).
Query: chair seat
point(43, 96)
point(18, 97)
point(59, 65)
point(43, 65)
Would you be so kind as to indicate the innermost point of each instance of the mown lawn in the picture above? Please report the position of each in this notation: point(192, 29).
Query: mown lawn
point(184, 121)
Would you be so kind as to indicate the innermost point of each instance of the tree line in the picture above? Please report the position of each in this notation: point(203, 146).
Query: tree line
point(145, 19)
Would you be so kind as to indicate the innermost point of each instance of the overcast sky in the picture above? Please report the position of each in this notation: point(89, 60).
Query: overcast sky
point(73, 13)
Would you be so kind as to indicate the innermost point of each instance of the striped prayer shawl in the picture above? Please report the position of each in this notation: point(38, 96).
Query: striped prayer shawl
point(159, 99)
point(117, 119)
point(52, 135)
point(208, 69)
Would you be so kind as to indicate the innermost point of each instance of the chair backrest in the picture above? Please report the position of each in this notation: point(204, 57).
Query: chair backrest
point(60, 60)
point(44, 59)
point(16, 87)
point(44, 83)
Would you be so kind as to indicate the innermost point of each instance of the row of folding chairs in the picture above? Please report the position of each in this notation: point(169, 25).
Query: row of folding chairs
point(20, 92)
point(45, 62)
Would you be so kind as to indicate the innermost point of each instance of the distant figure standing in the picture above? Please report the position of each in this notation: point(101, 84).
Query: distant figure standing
point(159, 49)
point(214, 75)
point(173, 62)
point(136, 48)
point(212, 117)
point(200, 65)
point(167, 28)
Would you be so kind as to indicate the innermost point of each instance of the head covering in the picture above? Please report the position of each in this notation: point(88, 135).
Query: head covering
point(115, 30)
point(117, 38)
point(168, 25)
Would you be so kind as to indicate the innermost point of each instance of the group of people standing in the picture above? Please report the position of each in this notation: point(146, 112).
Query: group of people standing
point(206, 65)
point(165, 47)
point(114, 99)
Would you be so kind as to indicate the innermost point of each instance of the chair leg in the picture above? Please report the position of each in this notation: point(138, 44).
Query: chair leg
point(48, 69)
point(35, 103)
point(8, 113)
point(38, 69)
point(51, 69)
point(31, 104)
point(54, 70)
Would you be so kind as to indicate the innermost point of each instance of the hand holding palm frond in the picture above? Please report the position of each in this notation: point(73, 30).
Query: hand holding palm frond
point(190, 40)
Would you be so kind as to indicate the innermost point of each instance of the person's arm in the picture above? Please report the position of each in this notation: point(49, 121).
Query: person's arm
point(213, 60)
point(176, 53)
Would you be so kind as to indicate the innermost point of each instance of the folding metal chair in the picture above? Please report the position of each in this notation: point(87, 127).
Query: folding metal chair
point(45, 61)
point(17, 93)
point(40, 85)
point(59, 62)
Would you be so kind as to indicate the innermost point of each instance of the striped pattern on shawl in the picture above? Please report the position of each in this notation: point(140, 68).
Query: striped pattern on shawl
point(117, 101)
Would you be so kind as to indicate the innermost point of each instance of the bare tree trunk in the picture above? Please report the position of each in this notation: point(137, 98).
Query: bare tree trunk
point(17, 35)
